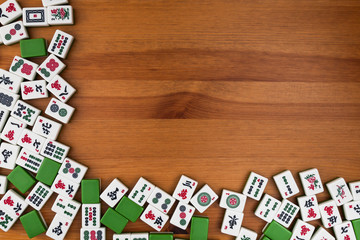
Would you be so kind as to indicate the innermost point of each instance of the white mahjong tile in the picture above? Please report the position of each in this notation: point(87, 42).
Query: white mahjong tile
point(232, 200)
point(9, 81)
point(51, 67)
point(31, 141)
point(204, 198)
point(35, 17)
point(355, 190)
point(24, 68)
point(13, 33)
point(185, 189)
point(65, 187)
point(91, 215)
point(255, 186)
point(59, 110)
point(302, 230)
point(7, 218)
point(246, 234)
point(154, 218)
point(311, 182)
point(12, 130)
point(122, 236)
point(114, 192)
point(267, 208)
point(286, 184)
point(60, 88)
point(8, 155)
point(47, 128)
point(47, 3)
point(38, 196)
point(339, 191)
point(161, 200)
point(4, 114)
point(322, 234)
point(10, 11)
point(309, 208)
point(329, 212)
point(8, 99)
point(232, 223)
point(286, 213)
point(25, 112)
point(14, 202)
point(141, 191)
point(352, 210)
point(73, 170)
point(55, 150)
point(59, 227)
point(344, 231)
point(66, 207)
point(60, 15)
point(1, 42)
point(34, 90)
point(29, 160)
point(182, 215)
point(3, 184)
point(60, 44)
point(139, 236)
point(93, 233)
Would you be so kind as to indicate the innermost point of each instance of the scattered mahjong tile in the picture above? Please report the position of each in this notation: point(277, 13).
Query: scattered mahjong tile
point(90, 215)
point(311, 182)
point(66, 207)
point(246, 234)
point(355, 190)
point(182, 215)
point(356, 227)
point(263, 237)
point(114, 220)
point(31, 141)
point(34, 90)
point(25, 112)
point(329, 212)
point(339, 191)
point(204, 198)
point(232, 200)
point(185, 189)
point(60, 88)
point(46, 128)
point(51, 67)
point(141, 191)
point(154, 218)
point(322, 234)
point(48, 171)
point(3, 184)
point(55, 150)
point(21, 179)
point(123, 236)
point(14, 203)
point(60, 15)
point(93, 234)
point(38, 196)
point(129, 209)
point(267, 208)
point(60, 44)
point(13, 33)
point(23, 68)
point(29, 160)
point(286, 184)
point(161, 236)
point(73, 170)
point(7, 218)
point(352, 210)
point(35, 17)
point(10, 11)
point(33, 223)
point(287, 212)
point(274, 230)
point(58, 228)
point(255, 186)
point(10, 81)
point(344, 231)
point(139, 236)
point(232, 222)
point(114, 192)
point(161, 200)
point(309, 208)
point(302, 230)
point(12, 130)
point(8, 155)
point(90, 191)
point(65, 187)
point(47, 3)
point(35, 47)
point(8, 99)
point(3, 117)
point(59, 110)
point(199, 228)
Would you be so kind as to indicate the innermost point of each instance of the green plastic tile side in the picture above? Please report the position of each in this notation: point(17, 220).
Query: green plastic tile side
point(264, 238)
point(129, 209)
point(48, 171)
point(114, 221)
point(275, 231)
point(161, 236)
point(199, 228)
point(33, 48)
point(90, 191)
point(33, 224)
point(21, 179)
point(356, 225)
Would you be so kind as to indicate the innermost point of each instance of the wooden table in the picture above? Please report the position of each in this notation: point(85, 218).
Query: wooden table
point(210, 89)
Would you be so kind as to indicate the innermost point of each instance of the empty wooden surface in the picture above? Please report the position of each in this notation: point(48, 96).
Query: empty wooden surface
point(210, 89)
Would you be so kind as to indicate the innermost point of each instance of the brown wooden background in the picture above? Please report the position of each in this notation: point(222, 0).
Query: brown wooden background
point(210, 89)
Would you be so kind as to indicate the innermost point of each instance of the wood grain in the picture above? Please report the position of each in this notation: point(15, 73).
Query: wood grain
point(210, 89)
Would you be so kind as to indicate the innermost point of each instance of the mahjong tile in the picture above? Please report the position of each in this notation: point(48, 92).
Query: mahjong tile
point(182, 215)
point(286, 184)
point(13, 33)
point(12, 130)
point(3, 184)
point(34, 90)
point(25, 112)
point(7, 218)
point(4, 114)
point(122, 236)
point(59, 110)
point(154, 218)
point(8, 99)
point(255, 186)
point(10, 11)
point(93, 233)
point(287, 213)
point(322, 234)
point(355, 190)
point(246, 234)
point(24, 68)
point(60, 44)
point(204, 198)
point(311, 182)
point(232, 223)
point(51, 67)
point(345, 231)
point(8, 155)
point(59, 227)
point(60, 88)
point(60, 15)
point(73, 170)
point(55, 150)
point(302, 230)
point(65, 187)
point(329, 212)
point(232, 200)
point(309, 208)
point(47, 128)
point(114, 192)
point(139, 236)
point(267, 208)
point(339, 191)
point(161, 200)
point(38, 196)
point(47, 3)
point(66, 207)
point(141, 191)
point(185, 189)
point(10, 81)
point(352, 210)
point(35, 17)
point(31, 141)
point(91, 215)
point(14, 202)
point(29, 160)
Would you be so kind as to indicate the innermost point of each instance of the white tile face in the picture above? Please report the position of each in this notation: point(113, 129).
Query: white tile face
point(114, 192)
point(4, 114)
point(51, 67)
point(61, 88)
point(302, 230)
point(185, 189)
point(8, 155)
point(55, 150)
point(141, 191)
point(7, 218)
point(66, 207)
point(65, 187)
point(232, 201)
point(267, 208)
point(60, 111)
point(58, 228)
point(311, 182)
point(47, 3)
point(14, 202)
point(352, 210)
point(35, 17)
point(60, 15)
point(38, 196)
point(46, 128)
point(161, 200)
point(139, 236)
point(3, 184)
point(122, 236)
point(10, 10)
point(355, 190)
point(322, 234)
point(91, 215)
point(204, 198)
point(339, 191)
point(182, 215)
point(330, 215)
point(255, 186)
point(9, 81)
point(73, 170)
point(60, 44)
point(34, 90)
point(31, 141)
point(8, 99)
point(287, 213)
point(309, 208)
point(13, 33)
point(232, 223)
point(24, 68)
point(246, 234)
point(25, 112)
point(286, 184)
point(154, 218)
point(29, 160)
point(93, 233)
point(12, 130)
point(344, 231)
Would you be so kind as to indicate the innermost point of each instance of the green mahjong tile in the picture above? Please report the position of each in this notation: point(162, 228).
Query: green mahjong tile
point(263, 237)
point(161, 236)
point(356, 225)
point(90, 191)
point(199, 228)
point(21, 179)
point(275, 230)
point(48, 171)
point(33, 48)
point(33, 223)
point(129, 209)
point(114, 220)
